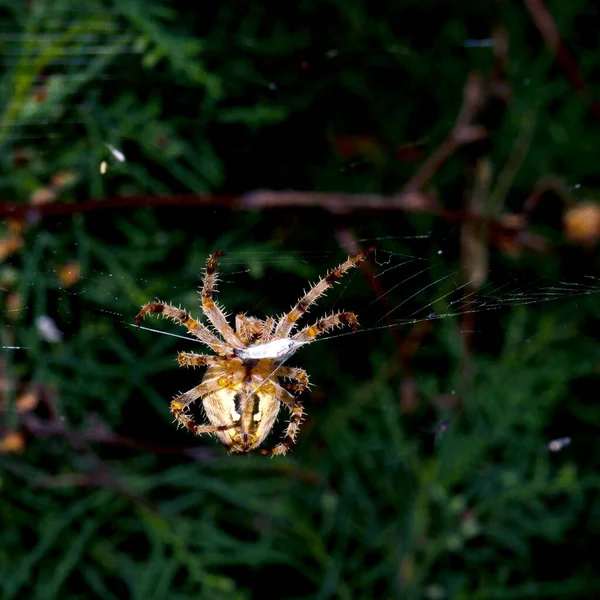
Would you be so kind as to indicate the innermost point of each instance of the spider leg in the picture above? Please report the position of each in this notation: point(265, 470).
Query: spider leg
point(253, 331)
point(298, 376)
point(183, 318)
point(190, 359)
point(180, 403)
point(214, 313)
point(266, 334)
point(308, 334)
point(296, 414)
point(288, 322)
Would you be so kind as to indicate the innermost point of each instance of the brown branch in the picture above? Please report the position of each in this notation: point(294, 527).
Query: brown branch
point(13, 210)
point(340, 203)
point(336, 203)
point(464, 132)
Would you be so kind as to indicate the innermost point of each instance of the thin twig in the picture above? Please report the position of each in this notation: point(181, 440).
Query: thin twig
point(464, 132)
point(101, 434)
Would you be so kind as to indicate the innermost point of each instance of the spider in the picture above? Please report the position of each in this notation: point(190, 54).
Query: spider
point(246, 381)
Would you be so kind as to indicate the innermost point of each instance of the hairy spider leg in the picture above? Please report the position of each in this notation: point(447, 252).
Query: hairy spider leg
point(180, 403)
point(296, 413)
point(191, 359)
point(266, 334)
point(299, 379)
point(253, 331)
point(183, 318)
point(288, 322)
point(340, 319)
point(214, 313)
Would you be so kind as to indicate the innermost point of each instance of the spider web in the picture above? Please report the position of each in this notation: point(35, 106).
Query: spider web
point(398, 291)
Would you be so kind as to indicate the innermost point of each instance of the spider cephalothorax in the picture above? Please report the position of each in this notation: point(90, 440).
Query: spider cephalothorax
point(246, 381)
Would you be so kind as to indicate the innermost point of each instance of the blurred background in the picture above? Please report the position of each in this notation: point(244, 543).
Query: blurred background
point(450, 449)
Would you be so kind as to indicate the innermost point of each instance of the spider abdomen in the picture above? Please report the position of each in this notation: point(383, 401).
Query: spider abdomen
point(245, 403)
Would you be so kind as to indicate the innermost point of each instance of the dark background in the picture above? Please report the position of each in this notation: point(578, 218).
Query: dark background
point(459, 138)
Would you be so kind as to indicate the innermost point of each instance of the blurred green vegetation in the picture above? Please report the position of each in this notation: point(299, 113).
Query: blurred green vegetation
point(100, 492)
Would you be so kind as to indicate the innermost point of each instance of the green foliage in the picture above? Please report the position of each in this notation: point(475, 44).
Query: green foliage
point(108, 497)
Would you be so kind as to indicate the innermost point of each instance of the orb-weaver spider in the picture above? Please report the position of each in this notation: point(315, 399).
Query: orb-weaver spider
point(247, 381)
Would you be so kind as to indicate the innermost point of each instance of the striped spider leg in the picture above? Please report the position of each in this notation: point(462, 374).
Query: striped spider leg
point(287, 323)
